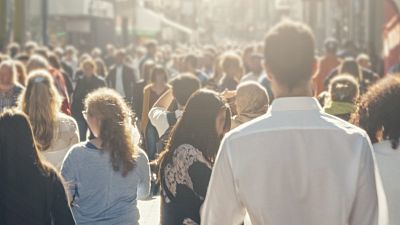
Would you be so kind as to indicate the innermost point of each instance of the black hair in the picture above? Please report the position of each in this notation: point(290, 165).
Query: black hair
point(184, 86)
point(380, 111)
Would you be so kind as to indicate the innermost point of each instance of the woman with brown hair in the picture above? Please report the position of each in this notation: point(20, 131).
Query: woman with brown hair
point(152, 92)
point(379, 115)
point(54, 131)
point(31, 192)
point(108, 173)
point(186, 163)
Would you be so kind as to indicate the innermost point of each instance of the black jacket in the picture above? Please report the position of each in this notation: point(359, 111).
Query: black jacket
point(83, 87)
point(132, 93)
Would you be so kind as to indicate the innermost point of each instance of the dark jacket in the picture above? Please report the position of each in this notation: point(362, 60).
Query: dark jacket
point(129, 82)
point(83, 87)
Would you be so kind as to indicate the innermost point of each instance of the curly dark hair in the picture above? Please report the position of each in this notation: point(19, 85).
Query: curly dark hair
point(379, 111)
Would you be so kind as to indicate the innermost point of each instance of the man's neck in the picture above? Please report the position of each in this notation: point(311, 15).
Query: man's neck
point(305, 91)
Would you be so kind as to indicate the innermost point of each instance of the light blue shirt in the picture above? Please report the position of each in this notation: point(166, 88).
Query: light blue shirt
point(100, 194)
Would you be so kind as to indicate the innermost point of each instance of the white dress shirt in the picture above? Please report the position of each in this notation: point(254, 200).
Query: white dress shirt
point(158, 118)
point(294, 166)
point(388, 160)
point(119, 82)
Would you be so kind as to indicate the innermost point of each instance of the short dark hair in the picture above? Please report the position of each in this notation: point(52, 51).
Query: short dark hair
point(192, 60)
point(289, 53)
point(157, 71)
point(183, 87)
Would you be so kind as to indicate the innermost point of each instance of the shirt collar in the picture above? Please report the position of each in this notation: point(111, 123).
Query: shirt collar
point(295, 104)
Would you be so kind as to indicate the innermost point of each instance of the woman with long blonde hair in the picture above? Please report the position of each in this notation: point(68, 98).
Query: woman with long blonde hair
point(54, 131)
point(108, 173)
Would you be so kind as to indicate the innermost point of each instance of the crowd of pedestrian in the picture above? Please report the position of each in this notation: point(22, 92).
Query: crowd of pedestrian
point(269, 129)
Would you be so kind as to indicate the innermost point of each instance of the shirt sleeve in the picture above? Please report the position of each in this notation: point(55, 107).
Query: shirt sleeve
point(68, 173)
point(368, 208)
point(158, 117)
point(143, 168)
point(222, 204)
point(61, 212)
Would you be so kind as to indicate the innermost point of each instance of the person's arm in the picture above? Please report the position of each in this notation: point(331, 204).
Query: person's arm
point(60, 210)
point(143, 168)
point(222, 205)
point(68, 173)
point(368, 208)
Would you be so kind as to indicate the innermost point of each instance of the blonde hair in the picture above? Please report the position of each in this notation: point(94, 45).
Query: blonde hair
point(89, 61)
point(114, 114)
point(230, 61)
point(10, 64)
point(41, 102)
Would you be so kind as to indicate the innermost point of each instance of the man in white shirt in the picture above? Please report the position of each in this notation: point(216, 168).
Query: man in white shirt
point(296, 165)
point(182, 88)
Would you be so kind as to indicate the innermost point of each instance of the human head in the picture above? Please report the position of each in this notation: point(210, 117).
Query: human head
point(351, 67)
point(151, 48)
point(41, 102)
point(289, 55)
point(232, 65)
point(159, 75)
point(344, 88)
point(88, 67)
point(251, 98)
point(205, 119)
point(183, 87)
point(190, 62)
point(70, 52)
point(96, 53)
point(37, 62)
point(379, 111)
point(120, 56)
point(331, 46)
point(256, 61)
point(30, 47)
point(13, 49)
point(246, 56)
point(54, 61)
point(109, 118)
point(18, 146)
point(364, 61)
point(8, 73)
point(101, 68)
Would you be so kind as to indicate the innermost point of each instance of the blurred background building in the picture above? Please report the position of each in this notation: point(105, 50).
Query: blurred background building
point(97, 22)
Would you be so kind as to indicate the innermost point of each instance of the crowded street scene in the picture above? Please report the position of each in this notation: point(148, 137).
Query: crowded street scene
point(199, 112)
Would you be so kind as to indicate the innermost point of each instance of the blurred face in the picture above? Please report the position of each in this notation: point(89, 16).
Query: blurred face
point(256, 65)
point(119, 58)
point(88, 70)
point(93, 123)
point(220, 122)
point(6, 76)
point(159, 78)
